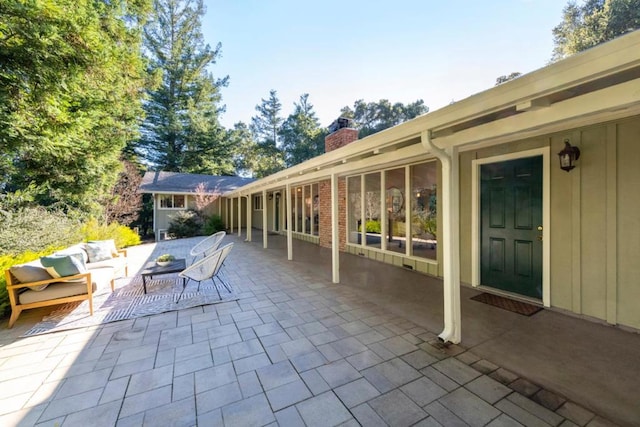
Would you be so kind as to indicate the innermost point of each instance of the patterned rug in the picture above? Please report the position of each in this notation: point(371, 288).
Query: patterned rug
point(128, 301)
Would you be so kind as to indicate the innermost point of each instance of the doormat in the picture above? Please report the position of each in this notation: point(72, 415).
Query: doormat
point(508, 304)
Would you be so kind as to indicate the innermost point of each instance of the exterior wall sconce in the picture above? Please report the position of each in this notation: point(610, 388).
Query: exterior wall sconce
point(568, 156)
point(271, 196)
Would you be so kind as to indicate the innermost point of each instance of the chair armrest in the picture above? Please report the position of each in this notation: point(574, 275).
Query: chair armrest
point(123, 252)
point(19, 285)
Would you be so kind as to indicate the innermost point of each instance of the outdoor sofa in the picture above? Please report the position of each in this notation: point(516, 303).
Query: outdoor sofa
point(72, 274)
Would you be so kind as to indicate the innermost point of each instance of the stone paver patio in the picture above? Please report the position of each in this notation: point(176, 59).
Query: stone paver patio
point(294, 350)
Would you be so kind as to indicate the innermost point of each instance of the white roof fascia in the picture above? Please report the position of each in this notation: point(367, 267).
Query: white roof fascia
point(614, 102)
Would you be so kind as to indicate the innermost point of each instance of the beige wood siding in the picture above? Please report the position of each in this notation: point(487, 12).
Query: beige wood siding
point(595, 220)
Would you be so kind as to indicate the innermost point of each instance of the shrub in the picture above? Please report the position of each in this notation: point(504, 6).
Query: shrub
point(35, 228)
point(213, 224)
point(186, 224)
point(123, 235)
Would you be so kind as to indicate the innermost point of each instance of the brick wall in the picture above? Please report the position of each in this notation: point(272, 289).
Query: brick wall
point(324, 190)
point(333, 141)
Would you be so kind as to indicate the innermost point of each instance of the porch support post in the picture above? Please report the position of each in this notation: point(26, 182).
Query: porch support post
point(264, 218)
point(239, 215)
point(289, 225)
point(249, 217)
point(335, 230)
point(231, 215)
point(450, 239)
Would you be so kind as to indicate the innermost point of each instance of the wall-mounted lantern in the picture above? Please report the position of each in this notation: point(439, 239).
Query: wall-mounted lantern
point(568, 156)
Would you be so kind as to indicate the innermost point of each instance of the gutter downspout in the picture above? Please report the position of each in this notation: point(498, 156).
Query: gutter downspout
point(450, 237)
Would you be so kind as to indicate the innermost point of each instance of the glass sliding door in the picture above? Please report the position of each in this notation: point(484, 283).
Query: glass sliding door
point(372, 214)
point(354, 209)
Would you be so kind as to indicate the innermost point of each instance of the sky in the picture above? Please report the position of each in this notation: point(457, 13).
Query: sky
point(341, 51)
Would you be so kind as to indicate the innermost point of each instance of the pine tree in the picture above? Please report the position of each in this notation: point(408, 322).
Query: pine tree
point(181, 132)
point(302, 137)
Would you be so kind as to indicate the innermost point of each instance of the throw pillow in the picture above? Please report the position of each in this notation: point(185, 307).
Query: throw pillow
point(32, 272)
point(59, 265)
point(99, 250)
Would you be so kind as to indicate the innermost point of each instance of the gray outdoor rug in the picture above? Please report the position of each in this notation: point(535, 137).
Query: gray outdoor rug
point(128, 301)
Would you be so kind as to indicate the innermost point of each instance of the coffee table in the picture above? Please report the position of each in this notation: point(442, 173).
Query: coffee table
point(152, 269)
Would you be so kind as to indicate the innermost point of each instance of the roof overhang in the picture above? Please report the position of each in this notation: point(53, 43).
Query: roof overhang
point(597, 85)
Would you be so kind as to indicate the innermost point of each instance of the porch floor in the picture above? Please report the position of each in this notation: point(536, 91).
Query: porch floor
point(296, 349)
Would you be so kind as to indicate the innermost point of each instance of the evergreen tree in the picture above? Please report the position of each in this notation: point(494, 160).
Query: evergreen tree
point(261, 153)
point(266, 125)
point(302, 137)
point(593, 22)
point(372, 117)
point(251, 157)
point(181, 132)
point(70, 81)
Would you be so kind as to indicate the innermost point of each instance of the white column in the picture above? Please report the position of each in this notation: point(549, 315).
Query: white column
point(231, 215)
point(264, 219)
point(239, 215)
point(450, 239)
point(289, 225)
point(335, 231)
point(451, 246)
point(249, 216)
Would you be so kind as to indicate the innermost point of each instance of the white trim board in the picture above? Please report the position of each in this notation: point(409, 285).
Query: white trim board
point(545, 152)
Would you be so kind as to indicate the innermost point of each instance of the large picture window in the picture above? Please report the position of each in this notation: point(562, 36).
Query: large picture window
point(395, 210)
point(305, 209)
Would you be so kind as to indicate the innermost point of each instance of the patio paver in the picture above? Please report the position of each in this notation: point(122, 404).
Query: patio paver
point(294, 349)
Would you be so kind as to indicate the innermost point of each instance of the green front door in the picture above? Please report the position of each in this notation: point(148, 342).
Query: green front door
point(511, 226)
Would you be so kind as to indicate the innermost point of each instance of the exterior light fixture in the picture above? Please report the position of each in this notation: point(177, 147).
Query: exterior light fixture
point(568, 156)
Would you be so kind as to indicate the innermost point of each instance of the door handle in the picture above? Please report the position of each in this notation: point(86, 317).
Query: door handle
point(540, 235)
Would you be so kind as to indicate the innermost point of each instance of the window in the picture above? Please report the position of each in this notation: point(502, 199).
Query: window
point(355, 211)
point(424, 210)
point(257, 203)
point(172, 201)
point(401, 217)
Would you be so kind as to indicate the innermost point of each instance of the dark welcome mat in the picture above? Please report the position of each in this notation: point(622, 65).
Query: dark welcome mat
point(508, 304)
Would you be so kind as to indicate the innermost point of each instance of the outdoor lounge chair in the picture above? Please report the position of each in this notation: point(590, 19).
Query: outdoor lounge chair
point(207, 268)
point(207, 246)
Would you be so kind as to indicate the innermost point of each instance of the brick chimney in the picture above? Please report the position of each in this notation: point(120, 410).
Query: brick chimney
point(341, 133)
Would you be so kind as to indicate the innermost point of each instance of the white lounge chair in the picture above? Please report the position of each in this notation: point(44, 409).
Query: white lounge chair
point(207, 246)
point(207, 268)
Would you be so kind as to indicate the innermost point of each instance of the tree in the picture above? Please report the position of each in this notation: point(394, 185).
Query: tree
point(373, 117)
point(125, 202)
point(70, 82)
point(261, 152)
point(506, 78)
point(302, 137)
point(595, 22)
point(253, 158)
point(181, 132)
point(266, 125)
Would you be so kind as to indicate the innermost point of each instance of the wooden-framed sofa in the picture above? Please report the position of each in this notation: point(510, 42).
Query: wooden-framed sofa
point(24, 295)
